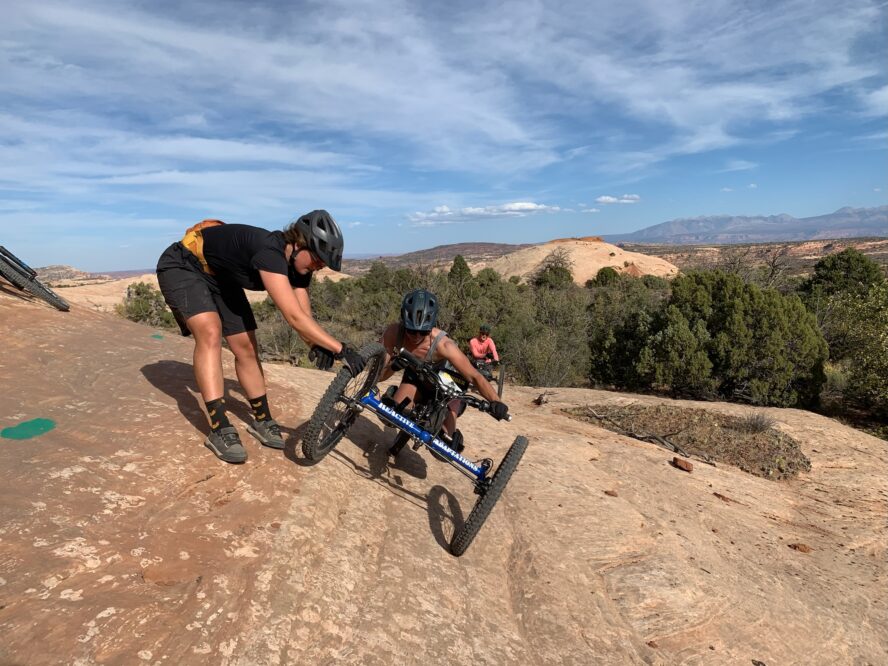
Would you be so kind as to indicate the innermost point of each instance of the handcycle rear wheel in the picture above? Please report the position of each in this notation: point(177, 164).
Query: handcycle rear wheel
point(334, 415)
point(462, 539)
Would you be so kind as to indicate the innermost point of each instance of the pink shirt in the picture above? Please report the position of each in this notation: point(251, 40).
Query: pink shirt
point(481, 349)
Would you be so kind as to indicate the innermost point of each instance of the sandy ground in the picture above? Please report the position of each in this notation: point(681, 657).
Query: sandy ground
point(589, 255)
point(124, 541)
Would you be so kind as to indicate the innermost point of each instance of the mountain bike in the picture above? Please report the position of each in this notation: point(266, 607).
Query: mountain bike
point(20, 275)
point(486, 370)
point(348, 396)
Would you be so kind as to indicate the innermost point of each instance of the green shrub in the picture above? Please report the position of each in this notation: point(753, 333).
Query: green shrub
point(621, 316)
point(868, 361)
point(276, 338)
point(555, 271)
point(848, 271)
point(606, 276)
point(836, 378)
point(765, 347)
point(676, 356)
point(143, 303)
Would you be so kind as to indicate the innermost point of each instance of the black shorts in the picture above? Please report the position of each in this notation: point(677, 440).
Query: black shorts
point(189, 291)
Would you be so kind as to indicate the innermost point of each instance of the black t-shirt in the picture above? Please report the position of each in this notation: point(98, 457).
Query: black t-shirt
point(237, 252)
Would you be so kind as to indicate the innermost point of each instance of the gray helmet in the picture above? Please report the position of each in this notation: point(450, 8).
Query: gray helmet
point(484, 328)
point(324, 237)
point(419, 310)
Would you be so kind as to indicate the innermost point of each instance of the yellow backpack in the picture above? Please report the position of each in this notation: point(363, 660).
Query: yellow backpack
point(193, 241)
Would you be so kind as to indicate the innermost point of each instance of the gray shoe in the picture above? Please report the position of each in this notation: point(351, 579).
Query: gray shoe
point(268, 433)
point(226, 444)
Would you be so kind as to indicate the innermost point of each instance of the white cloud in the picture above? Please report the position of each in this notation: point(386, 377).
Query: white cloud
point(739, 165)
point(447, 215)
point(752, 186)
point(876, 102)
point(590, 210)
point(453, 98)
point(357, 71)
point(727, 189)
point(877, 189)
point(177, 109)
point(624, 199)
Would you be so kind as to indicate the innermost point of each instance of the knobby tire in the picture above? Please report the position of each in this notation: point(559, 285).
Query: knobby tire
point(462, 539)
point(32, 285)
point(332, 418)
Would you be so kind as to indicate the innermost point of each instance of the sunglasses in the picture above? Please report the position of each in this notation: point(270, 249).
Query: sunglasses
point(410, 331)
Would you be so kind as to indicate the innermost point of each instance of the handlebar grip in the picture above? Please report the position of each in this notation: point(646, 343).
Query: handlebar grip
point(408, 358)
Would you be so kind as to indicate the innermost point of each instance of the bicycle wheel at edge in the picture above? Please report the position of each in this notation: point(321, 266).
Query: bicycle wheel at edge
point(32, 286)
point(462, 539)
point(499, 380)
point(15, 278)
point(332, 418)
point(42, 291)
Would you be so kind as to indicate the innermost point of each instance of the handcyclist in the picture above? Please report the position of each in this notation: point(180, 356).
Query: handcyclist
point(203, 277)
point(417, 333)
point(482, 347)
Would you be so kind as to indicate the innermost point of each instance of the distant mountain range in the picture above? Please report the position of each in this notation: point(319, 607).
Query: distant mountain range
point(844, 223)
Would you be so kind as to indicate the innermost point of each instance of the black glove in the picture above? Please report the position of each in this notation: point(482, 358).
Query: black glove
point(352, 359)
point(321, 357)
point(499, 410)
point(489, 356)
point(397, 364)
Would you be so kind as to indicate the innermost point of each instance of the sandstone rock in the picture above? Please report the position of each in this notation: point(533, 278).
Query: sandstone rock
point(683, 464)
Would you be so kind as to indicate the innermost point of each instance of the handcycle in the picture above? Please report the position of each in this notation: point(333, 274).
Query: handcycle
point(24, 277)
point(483, 366)
point(348, 396)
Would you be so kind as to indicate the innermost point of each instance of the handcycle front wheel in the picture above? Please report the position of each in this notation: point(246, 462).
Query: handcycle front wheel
point(335, 413)
point(463, 537)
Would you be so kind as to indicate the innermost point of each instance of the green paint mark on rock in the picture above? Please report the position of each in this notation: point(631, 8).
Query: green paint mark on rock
point(157, 336)
point(28, 429)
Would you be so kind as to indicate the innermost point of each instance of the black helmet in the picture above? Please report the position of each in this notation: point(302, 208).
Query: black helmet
point(484, 328)
point(419, 310)
point(324, 237)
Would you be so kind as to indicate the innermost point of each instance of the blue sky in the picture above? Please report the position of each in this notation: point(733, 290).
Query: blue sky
point(418, 124)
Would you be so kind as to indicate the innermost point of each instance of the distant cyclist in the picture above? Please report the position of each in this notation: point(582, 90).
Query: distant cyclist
point(416, 332)
point(203, 278)
point(482, 347)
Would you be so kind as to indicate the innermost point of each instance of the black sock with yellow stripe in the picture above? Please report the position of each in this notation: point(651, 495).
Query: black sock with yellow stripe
point(260, 408)
point(216, 412)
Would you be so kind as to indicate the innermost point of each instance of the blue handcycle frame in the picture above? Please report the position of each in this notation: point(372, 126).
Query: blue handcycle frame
point(371, 401)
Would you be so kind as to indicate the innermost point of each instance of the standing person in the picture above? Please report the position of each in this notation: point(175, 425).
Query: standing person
point(417, 333)
point(203, 277)
point(482, 347)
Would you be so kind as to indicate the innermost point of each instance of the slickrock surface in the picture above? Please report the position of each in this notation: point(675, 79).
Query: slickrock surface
point(123, 540)
point(589, 255)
